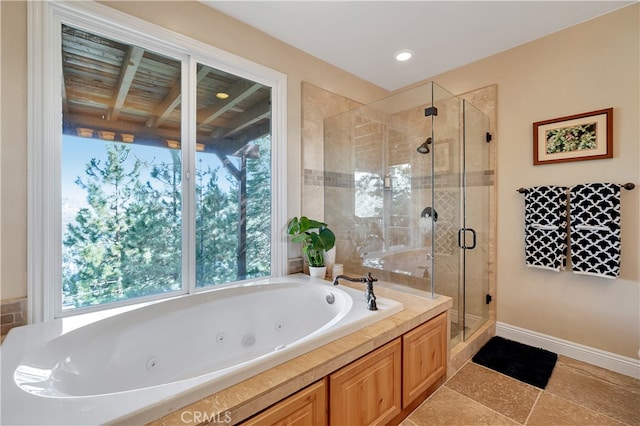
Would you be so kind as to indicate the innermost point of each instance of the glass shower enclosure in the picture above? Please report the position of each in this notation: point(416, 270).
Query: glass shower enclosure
point(407, 189)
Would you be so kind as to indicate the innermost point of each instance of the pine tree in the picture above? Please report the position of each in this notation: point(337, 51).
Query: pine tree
point(124, 243)
point(155, 239)
point(216, 239)
point(95, 242)
point(259, 211)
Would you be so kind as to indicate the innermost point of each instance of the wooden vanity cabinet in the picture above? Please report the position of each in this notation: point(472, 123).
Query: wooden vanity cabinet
point(424, 357)
point(307, 407)
point(368, 391)
point(380, 388)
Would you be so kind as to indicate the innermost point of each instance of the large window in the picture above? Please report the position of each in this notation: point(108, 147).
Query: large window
point(160, 159)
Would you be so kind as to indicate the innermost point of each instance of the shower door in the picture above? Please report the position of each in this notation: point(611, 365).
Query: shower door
point(461, 182)
point(447, 193)
point(474, 240)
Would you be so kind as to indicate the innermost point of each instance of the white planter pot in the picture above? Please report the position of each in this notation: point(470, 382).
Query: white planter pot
point(318, 271)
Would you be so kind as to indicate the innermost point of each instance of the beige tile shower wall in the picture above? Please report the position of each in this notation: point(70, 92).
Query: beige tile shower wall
point(410, 129)
point(367, 140)
point(339, 183)
point(317, 104)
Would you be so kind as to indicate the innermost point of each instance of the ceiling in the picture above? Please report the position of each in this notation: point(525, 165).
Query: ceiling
point(362, 37)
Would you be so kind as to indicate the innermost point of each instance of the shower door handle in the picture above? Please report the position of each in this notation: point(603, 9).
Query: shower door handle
point(473, 232)
point(461, 238)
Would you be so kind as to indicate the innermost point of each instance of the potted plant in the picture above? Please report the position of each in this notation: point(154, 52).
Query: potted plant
point(316, 238)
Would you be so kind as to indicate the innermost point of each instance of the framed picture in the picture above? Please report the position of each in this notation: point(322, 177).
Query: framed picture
point(579, 137)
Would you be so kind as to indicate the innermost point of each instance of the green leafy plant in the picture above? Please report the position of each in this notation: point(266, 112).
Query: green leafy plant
point(315, 237)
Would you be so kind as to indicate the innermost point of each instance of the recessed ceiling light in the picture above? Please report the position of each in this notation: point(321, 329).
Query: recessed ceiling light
point(404, 55)
point(222, 95)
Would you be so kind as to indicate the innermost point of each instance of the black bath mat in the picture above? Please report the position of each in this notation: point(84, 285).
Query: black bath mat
point(525, 363)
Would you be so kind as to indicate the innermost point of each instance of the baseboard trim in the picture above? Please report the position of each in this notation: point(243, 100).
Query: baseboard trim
point(610, 361)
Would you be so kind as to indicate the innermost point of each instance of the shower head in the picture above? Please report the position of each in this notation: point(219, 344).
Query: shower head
point(424, 148)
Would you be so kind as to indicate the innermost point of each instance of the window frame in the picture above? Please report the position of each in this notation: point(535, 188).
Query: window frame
point(44, 230)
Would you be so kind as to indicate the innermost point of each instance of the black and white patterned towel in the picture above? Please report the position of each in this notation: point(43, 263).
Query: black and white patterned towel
point(545, 227)
point(595, 229)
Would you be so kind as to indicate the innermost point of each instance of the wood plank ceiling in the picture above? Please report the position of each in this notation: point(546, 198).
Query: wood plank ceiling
point(115, 91)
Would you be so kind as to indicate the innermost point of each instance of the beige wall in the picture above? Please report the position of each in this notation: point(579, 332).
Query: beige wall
point(585, 68)
point(190, 18)
point(13, 150)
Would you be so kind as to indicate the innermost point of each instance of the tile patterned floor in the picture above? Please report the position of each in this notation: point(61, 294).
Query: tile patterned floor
point(577, 394)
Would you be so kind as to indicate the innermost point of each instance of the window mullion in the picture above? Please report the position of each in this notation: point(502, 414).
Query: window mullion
point(188, 131)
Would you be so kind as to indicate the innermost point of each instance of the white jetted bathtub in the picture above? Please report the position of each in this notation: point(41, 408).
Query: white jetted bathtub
point(168, 354)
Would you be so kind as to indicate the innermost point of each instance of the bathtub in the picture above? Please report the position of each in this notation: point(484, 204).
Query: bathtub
point(139, 365)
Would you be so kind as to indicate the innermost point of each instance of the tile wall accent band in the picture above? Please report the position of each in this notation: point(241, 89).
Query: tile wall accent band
point(330, 179)
point(345, 180)
point(452, 180)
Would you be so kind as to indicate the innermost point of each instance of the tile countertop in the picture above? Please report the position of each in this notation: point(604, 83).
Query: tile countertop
point(239, 402)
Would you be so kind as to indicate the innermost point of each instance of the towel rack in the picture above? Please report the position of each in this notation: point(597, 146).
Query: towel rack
point(628, 186)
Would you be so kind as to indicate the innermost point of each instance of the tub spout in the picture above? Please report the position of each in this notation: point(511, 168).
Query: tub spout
point(369, 297)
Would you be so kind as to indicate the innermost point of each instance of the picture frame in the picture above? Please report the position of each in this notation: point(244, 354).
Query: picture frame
point(579, 137)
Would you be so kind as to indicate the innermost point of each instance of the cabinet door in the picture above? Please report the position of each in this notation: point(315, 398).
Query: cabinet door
point(307, 407)
point(424, 357)
point(367, 391)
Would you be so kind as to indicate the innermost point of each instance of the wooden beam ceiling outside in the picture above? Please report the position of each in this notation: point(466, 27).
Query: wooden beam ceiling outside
point(118, 88)
point(237, 93)
point(240, 122)
point(130, 65)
